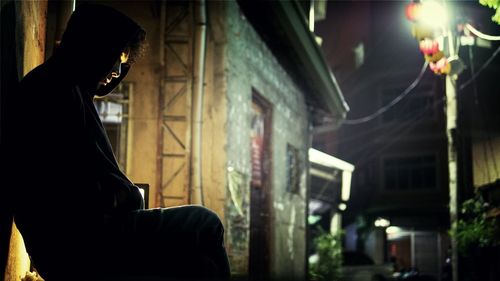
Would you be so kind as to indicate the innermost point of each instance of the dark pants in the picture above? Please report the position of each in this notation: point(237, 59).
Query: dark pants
point(180, 243)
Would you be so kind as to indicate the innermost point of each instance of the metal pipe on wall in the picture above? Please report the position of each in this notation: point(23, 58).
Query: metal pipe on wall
point(197, 195)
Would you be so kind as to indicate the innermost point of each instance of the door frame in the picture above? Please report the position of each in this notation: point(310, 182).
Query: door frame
point(260, 251)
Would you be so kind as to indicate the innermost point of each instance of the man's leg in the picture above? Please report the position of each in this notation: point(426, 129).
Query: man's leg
point(183, 242)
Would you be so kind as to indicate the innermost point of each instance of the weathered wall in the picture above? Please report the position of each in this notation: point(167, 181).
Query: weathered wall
point(251, 65)
point(31, 32)
point(144, 106)
point(30, 42)
point(486, 159)
point(214, 139)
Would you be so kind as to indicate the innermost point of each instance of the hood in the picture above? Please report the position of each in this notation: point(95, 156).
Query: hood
point(92, 42)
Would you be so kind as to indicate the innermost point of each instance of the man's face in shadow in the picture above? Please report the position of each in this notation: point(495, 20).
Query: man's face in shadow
point(116, 70)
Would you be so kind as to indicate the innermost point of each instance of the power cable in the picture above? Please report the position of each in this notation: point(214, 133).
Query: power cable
point(476, 102)
point(392, 141)
point(392, 103)
point(397, 131)
point(467, 83)
point(399, 136)
point(434, 105)
point(372, 129)
point(480, 34)
point(488, 143)
point(415, 83)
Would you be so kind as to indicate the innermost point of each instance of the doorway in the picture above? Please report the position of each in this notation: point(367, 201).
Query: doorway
point(260, 188)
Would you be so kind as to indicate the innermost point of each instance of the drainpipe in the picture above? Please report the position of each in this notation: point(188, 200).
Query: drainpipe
point(197, 196)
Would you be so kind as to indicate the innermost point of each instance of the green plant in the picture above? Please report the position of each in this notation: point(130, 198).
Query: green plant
point(329, 250)
point(494, 4)
point(474, 229)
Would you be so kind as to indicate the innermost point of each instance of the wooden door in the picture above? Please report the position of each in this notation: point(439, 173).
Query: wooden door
point(259, 260)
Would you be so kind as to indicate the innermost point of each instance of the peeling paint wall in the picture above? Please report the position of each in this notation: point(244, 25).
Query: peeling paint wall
point(251, 65)
point(31, 32)
point(214, 139)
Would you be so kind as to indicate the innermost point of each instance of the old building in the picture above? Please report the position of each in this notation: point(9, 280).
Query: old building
point(219, 112)
point(395, 134)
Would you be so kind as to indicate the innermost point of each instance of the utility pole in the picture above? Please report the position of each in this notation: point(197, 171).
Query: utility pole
point(451, 134)
point(430, 21)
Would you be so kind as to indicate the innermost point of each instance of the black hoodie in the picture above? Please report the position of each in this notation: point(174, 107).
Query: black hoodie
point(60, 162)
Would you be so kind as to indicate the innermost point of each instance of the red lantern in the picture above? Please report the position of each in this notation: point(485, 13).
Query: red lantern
point(442, 66)
point(429, 46)
point(413, 11)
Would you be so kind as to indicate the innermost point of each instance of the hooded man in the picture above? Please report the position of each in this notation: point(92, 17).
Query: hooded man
point(78, 213)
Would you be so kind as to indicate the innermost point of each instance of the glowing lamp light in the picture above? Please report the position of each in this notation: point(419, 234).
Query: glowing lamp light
point(421, 32)
point(381, 222)
point(392, 230)
point(427, 12)
point(432, 13)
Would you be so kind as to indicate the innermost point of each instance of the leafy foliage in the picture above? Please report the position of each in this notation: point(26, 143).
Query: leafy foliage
point(474, 229)
point(494, 4)
point(329, 249)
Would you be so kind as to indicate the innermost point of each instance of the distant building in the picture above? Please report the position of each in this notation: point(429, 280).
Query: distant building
point(400, 156)
point(480, 119)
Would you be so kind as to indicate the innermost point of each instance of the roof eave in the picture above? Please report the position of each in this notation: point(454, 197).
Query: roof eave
point(289, 24)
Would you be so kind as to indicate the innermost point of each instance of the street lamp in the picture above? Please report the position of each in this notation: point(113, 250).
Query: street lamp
point(431, 27)
point(382, 222)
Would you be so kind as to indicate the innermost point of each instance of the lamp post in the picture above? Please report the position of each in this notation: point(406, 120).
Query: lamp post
point(451, 134)
point(430, 21)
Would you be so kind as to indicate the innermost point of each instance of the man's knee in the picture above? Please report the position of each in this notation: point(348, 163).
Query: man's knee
point(204, 213)
point(212, 218)
point(209, 223)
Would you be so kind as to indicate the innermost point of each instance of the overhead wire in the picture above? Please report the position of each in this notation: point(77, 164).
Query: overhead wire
point(439, 102)
point(386, 145)
point(415, 83)
point(398, 128)
point(434, 105)
point(391, 104)
point(481, 35)
point(400, 134)
point(387, 127)
point(488, 143)
point(370, 156)
point(467, 83)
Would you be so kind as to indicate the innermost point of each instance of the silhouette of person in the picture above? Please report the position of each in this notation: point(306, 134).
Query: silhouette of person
point(80, 216)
